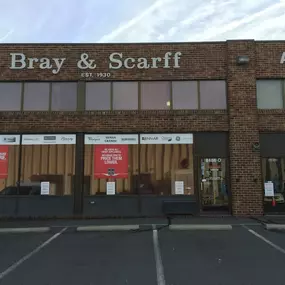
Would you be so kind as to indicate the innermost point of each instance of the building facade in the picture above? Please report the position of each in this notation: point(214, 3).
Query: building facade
point(115, 130)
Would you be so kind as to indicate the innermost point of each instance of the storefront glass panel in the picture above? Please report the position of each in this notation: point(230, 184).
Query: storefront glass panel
point(51, 159)
point(166, 164)
point(110, 164)
point(273, 170)
point(120, 164)
point(9, 164)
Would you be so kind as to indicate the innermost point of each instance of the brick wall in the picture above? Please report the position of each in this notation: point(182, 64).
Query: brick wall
point(271, 120)
point(120, 121)
point(245, 165)
point(198, 61)
point(268, 55)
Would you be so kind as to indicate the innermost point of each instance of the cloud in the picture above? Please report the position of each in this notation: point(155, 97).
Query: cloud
point(184, 20)
point(3, 38)
point(145, 21)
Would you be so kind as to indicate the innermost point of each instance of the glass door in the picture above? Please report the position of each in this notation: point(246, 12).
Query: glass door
point(273, 170)
point(214, 194)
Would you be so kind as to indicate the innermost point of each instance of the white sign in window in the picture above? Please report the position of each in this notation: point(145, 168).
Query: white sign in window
point(48, 139)
point(111, 188)
point(166, 139)
point(9, 139)
point(268, 189)
point(45, 188)
point(111, 139)
point(179, 187)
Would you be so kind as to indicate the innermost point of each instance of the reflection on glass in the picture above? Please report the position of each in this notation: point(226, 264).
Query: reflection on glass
point(214, 190)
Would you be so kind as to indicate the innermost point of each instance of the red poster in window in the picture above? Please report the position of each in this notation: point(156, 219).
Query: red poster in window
point(4, 150)
point(111, 161)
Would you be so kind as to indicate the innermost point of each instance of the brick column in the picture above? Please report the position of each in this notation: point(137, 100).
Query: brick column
point(245, 165)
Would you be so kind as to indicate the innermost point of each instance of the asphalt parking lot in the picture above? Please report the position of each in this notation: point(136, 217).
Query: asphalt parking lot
point(244, 255)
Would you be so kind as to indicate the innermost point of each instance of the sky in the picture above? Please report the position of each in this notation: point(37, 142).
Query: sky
point(123, 21)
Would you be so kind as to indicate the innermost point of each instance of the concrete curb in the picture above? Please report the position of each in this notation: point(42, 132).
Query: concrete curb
point(24, 230)
point(107, 228)
point(272, 227)
point(200, 227)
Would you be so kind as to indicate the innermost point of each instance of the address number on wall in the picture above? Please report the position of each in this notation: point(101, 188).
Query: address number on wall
point(95, 75)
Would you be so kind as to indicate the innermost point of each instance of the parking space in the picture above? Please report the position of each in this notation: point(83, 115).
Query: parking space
point(277, 237)
point(219, 257)
point(90, 258)
point(14, 246)
point(118, 258)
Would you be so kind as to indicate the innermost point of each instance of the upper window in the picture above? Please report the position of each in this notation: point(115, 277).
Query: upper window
point(10, 96)
point(36, 96)
point(213, 94)
point(155, 95)
point(269, 94)
point(98, 96)
point(185, 94)
point(125, 95)
point(64, 96)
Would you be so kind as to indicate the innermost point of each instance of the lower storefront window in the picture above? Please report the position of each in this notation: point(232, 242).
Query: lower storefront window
point(48, 164)
point(273, 170)
point(139, 164)
point(166, 164)
point(41, 165)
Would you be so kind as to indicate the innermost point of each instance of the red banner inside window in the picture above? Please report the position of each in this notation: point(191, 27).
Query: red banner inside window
point(4, 152)
point(111, 161)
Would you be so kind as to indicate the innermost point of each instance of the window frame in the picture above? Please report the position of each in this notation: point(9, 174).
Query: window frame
point(170, 94)
point(139, 82)
point(138, 95)
point(21, 95)
point(199, 94)
point(282, 82)
point(111, 96)
point(81, 94)
point(197, 83)
point(62, 82)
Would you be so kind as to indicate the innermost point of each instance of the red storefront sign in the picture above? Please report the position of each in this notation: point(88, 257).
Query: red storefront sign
point(111, 161)
point(4, 150)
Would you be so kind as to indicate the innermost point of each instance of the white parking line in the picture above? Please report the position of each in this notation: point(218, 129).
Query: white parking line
point(280, 249)
point(26, 257)
point(158, 260)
